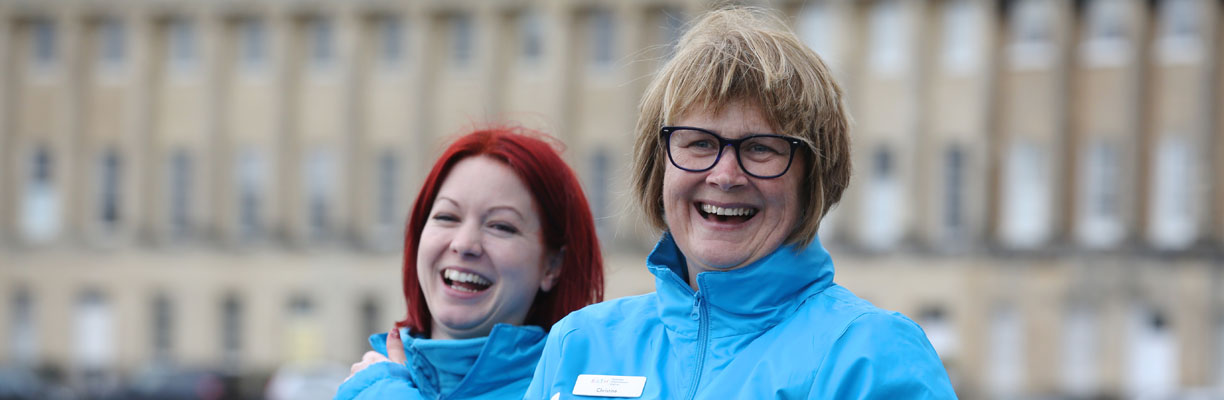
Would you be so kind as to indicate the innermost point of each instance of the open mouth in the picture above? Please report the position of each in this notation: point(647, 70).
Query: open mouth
point(465, 281)
point(725, 214)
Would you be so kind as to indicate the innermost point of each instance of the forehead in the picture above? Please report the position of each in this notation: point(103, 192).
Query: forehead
point(485, 182)
point(734, 118)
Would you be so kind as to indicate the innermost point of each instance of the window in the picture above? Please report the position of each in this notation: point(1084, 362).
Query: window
point(882, 213)
point(461, 37)
point(671, 30)
point(94, 333)
point(40, 217)
point(820, 29)
point(1032, 34)
point(182, 45)
point(388, 190)
point(322, 43)
point(391, 41)
point(254, 44)
point(954, 193)
point(1101, 220)
point(231, 329)
point(940, 331)
point(180, 193)
point(109, 189)
point(371, 322)
point(44, 43)
point(303, 334)
point(1219, 351)
point(111, 44)
point(962, 34)
point(319, 180)
point(889, 32)
point(23, 334)
point(1080, 351)
point(1005, 377)
point(1026, 196)
point(250, 180)
point(602, 38)
point(531, 37)
point(600, 165)
point(1152, 367)
point(163, 326)
point(1174, 199)
point(1179, 38)
point(1107, 33)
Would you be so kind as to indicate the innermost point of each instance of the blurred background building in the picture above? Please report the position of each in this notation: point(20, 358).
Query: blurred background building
point(220, 186)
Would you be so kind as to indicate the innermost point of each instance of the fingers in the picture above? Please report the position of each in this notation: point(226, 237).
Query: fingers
point(367, 359)
point(395, 347)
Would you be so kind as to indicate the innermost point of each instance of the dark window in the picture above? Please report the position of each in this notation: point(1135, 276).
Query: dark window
point(180, 192)
point(461, 39)
point(882, 163)
point(254, 43)
point(110, 186)
point(954, 184)
point(388, 189)
point(44, 42)
point(41, 171)
point(231, 328)
point(599, 193)
point(182, 43)
point(391, 30)
point(531, 31)
point(322, 48)
point(371, 321)
point(163, 326)
point(603, 41)
point(112, 42)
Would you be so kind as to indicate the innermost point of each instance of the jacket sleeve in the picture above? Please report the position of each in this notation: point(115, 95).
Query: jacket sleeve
point(384, 380)
point(882, 356)
point(546, 369)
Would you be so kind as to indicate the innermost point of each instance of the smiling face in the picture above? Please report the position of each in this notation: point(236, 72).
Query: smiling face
point(723, 218)
point(481, 259)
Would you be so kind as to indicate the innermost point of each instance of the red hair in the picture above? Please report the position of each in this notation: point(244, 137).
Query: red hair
point(565, 219)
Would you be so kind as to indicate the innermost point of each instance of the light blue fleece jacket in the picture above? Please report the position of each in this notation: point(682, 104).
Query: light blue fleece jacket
point(776, 329)
point(498, 366)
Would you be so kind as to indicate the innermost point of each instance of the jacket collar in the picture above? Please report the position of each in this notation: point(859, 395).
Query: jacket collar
point(508, 355)
point(746, 299)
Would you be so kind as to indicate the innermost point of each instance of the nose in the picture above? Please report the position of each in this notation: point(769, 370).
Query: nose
point(466, 242)
point(726, 173)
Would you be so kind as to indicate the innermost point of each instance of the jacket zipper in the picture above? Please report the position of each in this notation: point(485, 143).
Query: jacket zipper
point(702, 338)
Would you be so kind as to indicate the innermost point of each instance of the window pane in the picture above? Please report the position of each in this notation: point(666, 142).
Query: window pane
point(602, 38)
point(322, 45)
point(319, 181)
point(110, 187)
point(182, 45)
point(23, 339)
point(163, 325)
point(461, 37)
point(391, 40)
point(231, 329)
point(531, 36)
point(180, 192)
point(954, 191)
point(254, 44)
point(44, 43)
point(111, 43)
point(40, 216)
point(388, 189)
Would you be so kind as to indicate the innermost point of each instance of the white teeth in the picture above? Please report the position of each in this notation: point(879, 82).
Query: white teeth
point(727, 212)
point(460, 276)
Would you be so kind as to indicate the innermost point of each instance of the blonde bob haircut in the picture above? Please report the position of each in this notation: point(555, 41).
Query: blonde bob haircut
point(748, 54)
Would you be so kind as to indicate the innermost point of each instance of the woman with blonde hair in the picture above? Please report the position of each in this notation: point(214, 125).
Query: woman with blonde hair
point(742, 147)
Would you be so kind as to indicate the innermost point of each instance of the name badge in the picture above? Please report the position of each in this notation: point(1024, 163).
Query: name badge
point(609, 385)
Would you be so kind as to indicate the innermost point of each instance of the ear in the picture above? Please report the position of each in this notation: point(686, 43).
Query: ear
point(552, 270)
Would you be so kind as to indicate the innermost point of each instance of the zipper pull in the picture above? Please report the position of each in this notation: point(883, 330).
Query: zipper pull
point(696, 314)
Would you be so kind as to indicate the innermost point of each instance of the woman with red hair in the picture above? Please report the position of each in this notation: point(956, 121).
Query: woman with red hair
point(500, 245)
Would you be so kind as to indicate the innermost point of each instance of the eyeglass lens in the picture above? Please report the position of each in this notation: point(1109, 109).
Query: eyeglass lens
point(761, 156)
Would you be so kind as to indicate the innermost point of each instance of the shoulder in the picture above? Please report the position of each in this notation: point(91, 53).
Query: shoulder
point(616, 313)
point(379, 380)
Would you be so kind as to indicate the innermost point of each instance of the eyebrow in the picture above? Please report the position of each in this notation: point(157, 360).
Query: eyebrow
point(491, 210)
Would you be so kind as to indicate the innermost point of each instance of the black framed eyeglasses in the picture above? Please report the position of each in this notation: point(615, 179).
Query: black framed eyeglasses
point(760, 156)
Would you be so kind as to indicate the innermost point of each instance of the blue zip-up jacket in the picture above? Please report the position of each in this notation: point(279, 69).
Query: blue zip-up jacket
point(776, 329)
point(496, 367)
